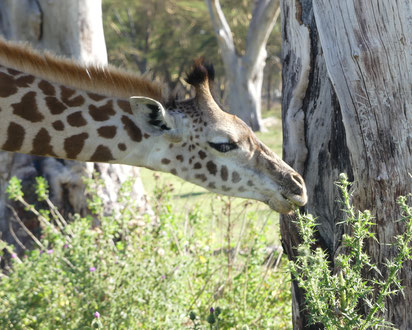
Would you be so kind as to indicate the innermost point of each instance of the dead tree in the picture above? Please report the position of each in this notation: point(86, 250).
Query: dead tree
point(347, 107)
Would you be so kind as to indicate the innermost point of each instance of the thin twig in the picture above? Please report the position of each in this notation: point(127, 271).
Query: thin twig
point(13, 234)
point(242, 229)
point(37, 213)
point(34, 237)
point(28, 232)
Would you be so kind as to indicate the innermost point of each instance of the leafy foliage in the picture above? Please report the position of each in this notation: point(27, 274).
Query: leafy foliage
point(334, 299)
point(138, 273)
point(162, 37)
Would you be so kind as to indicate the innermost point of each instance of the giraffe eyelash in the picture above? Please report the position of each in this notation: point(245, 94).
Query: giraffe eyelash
point(223, 147)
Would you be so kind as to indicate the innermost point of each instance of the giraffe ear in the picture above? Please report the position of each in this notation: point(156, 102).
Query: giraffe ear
point(153, 117)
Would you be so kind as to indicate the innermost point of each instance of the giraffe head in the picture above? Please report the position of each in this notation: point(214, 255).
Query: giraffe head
point(199, 142)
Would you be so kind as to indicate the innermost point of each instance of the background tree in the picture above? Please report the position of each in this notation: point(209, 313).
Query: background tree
point(158, 38)
point(347, 107)
point(161, 38)
point(245, 71)
point(74, 29)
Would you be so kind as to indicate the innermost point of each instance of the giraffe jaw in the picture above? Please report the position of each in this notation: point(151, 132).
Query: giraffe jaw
point(286, 205)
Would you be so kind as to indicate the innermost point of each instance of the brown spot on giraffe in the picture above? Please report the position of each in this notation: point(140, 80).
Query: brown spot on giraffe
point(201, 177)
point(241, 189)
point(96, 97)
point(68, 97)
point(13, 72)
point(224, 173)
point(27, 108)
point(235, 177)
point(226, 189)
point(15, 137)
point(180, 158)
point(197, 166)
point(173, 171)
point(202, 154)
point(76, 119)
point(102, 154)
point(41, 144)
point(211, 167)
point(125, 106)
point(55, 106)
point(107, 132)
point(103, 112)
point(73, 145)
point(250, 183)
point(211, 185)
point(24, 81)
point(47, 88)
point(132, 130)
point(58, 125)
point(122, 146)
point(7, 85)
point(165, 161)
point(146, 136)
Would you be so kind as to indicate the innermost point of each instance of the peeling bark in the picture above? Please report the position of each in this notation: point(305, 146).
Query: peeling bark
point(356, 105)
point(73, 29)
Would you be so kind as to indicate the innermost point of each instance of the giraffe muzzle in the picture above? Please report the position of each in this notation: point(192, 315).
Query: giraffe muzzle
point(292, 196)
point(296, 192)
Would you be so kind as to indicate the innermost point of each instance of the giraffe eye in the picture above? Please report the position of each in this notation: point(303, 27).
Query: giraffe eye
point(223, 147)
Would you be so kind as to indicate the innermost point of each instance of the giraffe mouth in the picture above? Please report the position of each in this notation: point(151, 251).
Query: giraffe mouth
point(286, 204)
point(282, 205)
point(296, 200)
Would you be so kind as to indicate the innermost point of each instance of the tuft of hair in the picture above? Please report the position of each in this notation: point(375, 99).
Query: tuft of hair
point(200, 73)
point(106, 80)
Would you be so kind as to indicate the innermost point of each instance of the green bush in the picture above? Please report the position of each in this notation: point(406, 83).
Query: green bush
point(333, 298)
point(135, 272)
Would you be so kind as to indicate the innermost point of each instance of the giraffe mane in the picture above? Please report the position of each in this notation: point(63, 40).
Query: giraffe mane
point(106, 80)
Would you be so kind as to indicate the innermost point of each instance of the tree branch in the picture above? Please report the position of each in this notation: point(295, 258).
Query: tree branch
point(222, 29)
point(261, 25)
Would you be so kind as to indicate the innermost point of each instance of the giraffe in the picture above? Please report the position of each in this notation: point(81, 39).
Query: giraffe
point(50, 106)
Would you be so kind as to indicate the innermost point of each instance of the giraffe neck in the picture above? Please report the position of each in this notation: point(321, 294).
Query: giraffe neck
point(41, 117)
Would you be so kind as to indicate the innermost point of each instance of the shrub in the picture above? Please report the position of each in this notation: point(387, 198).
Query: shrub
point(334, 298)
point(134, 272)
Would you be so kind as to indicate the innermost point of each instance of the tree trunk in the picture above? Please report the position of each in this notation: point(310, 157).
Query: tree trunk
point(347, 107)
point(74, 29)
point(244, 95)
point(245, 73)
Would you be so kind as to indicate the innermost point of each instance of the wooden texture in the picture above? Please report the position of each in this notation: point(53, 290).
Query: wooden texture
point(347, 107)
point(74, 29)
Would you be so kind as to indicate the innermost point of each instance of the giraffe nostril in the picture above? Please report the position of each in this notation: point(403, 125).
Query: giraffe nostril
point(298, 180)
point(296, 190)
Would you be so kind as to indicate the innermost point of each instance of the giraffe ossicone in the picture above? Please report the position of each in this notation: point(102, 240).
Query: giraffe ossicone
point(51, 106)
